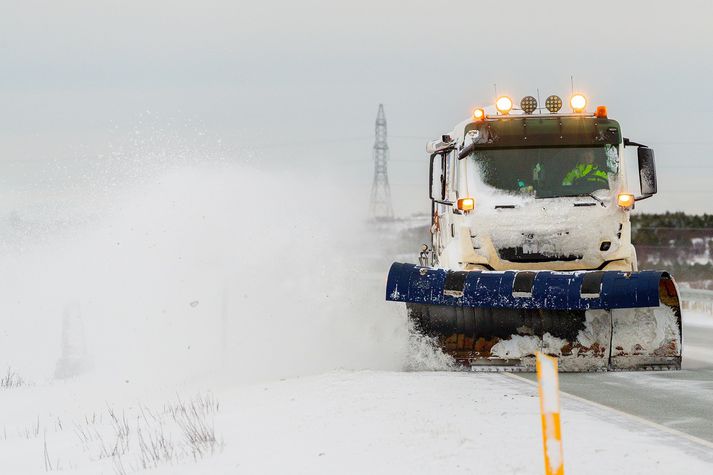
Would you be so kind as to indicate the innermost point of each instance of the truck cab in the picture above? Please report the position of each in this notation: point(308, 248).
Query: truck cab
point(532, 191)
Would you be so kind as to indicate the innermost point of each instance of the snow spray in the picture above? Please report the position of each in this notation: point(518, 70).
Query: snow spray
point(202, 269)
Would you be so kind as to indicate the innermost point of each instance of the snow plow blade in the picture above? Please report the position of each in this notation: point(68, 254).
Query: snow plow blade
point(590, 320)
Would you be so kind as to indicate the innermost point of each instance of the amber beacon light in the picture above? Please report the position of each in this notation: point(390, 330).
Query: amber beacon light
point(578, 103)
point(466, 204)
point(625, 200)
point(504, 105)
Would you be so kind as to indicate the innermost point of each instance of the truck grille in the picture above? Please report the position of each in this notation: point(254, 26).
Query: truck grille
point(518, 254)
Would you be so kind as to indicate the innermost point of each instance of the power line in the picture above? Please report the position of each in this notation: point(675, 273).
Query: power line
point(685, 191)
point(685, 167)
point(671, 248)
point(636, 228)
point(698, 142)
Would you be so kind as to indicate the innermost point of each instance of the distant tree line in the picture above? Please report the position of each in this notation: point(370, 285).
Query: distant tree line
point(677, 242)
point(672, 220)
point(669, 229)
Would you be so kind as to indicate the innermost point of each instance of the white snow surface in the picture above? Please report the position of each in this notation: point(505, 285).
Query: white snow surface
point(353, 422)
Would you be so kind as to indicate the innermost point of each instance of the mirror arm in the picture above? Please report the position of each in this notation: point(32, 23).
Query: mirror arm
point(629, 143)
point(465, 151)
point(644, 197)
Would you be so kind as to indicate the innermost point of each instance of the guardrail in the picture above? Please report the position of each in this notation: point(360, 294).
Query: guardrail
point(697, 299)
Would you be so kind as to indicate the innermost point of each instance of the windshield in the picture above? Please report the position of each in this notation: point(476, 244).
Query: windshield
point(548, 172)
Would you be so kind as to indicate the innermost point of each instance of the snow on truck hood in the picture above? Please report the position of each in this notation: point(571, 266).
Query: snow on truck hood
point(572, 228)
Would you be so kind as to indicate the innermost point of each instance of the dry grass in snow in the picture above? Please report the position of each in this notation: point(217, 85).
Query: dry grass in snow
point(121, 441)
point(11, 380)
point(147, 438)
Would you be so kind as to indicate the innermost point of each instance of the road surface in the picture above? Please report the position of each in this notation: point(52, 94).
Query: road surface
point(680, 400)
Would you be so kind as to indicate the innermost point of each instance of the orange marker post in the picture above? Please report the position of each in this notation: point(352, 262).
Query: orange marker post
point(548, 384)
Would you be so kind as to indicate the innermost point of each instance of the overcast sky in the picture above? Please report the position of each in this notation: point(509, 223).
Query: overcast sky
point(298, 83)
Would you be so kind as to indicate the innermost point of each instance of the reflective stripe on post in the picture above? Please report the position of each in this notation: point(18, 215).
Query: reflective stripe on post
point(548, 385)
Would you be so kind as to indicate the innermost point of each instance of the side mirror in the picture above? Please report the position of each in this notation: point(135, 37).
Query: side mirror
point(647, 171)
point(430, 175)
point(441, 178)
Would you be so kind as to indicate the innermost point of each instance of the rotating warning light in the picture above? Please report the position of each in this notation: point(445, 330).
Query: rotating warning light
point(503, 105)
point(578, 103)
point(466, 204)
point(625, 200)
point(479, 114)
point(601, 112)
point(528, 104)
point(553, 104)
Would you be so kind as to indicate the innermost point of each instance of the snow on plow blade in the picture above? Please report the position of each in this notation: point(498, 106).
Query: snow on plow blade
point(590, 320)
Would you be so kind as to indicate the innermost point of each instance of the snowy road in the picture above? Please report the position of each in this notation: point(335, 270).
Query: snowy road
point(680, 400)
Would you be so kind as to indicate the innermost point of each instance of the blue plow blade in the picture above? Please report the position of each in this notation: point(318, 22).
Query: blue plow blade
point(590, 320)
point(524, 289)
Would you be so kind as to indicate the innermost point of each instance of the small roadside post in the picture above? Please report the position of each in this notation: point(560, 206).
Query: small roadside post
point(548, 385)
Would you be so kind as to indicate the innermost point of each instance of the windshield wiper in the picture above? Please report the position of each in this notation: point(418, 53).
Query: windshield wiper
point(598, 200)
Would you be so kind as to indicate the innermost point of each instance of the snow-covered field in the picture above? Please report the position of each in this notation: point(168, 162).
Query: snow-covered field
point(339, 421)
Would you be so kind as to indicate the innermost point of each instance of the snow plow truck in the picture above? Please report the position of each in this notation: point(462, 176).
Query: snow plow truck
point(531, 245)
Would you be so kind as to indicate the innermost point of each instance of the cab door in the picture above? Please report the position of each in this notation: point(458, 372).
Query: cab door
point(442, 194)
